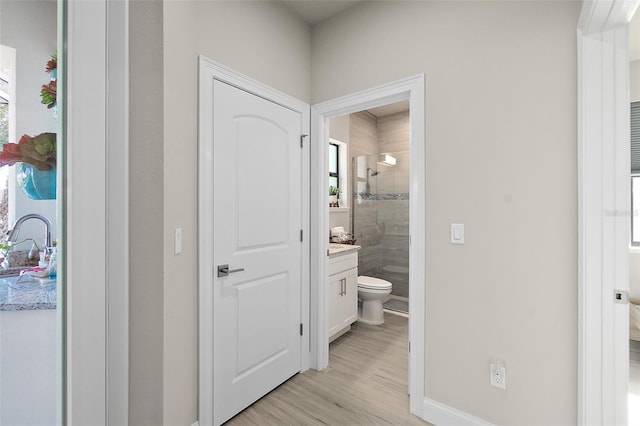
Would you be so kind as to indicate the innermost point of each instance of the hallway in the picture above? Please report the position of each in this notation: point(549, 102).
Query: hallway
point(365, 384)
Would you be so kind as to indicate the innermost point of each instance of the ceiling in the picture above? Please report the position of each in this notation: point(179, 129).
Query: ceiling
point(316, 11)
point(389, 109)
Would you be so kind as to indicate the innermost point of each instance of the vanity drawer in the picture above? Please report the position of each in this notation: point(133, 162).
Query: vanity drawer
point(343, 263)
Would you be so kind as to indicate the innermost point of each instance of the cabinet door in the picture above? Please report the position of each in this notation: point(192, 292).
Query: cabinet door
point(349, 301)
point(334, 321)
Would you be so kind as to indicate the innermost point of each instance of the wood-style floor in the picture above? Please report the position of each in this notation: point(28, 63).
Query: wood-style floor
point(365, 384)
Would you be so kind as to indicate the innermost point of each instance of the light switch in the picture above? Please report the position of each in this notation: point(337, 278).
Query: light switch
point(457, 233)
point(177, 244)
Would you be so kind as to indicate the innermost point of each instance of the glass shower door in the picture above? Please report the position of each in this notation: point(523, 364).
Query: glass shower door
point(380, 218)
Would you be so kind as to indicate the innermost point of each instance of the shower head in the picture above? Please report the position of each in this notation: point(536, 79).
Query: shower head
point(372, 172)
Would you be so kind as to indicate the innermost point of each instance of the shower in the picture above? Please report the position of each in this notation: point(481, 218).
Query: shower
point(380, 219)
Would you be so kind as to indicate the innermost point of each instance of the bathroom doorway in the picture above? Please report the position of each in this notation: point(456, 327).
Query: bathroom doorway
point(410, 90)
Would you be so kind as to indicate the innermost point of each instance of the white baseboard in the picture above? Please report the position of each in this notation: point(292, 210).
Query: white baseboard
point(196, 424)
point(443, 415)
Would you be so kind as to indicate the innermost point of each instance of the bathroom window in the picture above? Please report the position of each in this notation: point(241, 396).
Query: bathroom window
point(338, 173)
point(635, 173)
point(7, 71)
point(334, 161)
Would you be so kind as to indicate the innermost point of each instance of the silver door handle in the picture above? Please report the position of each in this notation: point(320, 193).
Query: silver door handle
point(223, 270)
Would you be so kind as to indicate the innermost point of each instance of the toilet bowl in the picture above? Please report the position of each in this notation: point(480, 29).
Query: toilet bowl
point(372, 292)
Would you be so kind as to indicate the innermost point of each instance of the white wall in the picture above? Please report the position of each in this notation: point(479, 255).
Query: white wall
point(634, 256)
point(30, 28)
point(501, 158)
point(634, 86)
point(263, 40)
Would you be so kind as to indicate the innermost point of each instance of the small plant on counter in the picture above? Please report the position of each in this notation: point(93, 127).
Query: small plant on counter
point(333, 196)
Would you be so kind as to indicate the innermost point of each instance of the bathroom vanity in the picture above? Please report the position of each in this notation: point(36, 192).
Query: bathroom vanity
point(343, 288)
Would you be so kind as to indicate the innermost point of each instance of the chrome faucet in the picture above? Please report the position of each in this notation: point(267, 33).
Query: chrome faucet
point(13, 234)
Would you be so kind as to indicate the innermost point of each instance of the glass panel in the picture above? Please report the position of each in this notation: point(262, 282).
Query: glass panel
point(333, 159)
point(333, 181)
point(30, 332)
point(380, 220)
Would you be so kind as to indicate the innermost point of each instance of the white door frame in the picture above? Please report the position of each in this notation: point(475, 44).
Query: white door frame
point(412, 90)
point(93, 211)
point(604, 209)
point(208, 71)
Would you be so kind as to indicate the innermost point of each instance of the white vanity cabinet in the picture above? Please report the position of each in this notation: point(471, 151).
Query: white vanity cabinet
point(343, 293)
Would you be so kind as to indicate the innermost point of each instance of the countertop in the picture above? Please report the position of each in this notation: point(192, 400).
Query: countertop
point(336, 249)
point(27, 295)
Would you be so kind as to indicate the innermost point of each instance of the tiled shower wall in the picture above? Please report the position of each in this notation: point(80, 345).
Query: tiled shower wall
point(381, 217)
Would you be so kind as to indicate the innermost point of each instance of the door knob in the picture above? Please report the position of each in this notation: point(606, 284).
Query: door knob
point(223, 270)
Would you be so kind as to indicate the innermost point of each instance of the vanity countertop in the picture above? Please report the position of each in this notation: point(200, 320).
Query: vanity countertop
point(27, 295)
point(336, 249)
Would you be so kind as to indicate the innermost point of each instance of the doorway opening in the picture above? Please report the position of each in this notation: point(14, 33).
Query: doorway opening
point(410, 91)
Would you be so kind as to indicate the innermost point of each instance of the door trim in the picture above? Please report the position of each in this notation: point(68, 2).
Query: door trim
point(209, 71)
point(93, 211)
point(413, 90)
point(603, 209)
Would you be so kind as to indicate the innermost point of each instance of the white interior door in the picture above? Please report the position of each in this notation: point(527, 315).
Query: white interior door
point(257, 225)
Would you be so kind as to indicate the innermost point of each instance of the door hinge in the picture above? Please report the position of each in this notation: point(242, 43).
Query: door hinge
point(621, 296)
point(409, 347)
point(302, 140)
point(301, 235)
point(301, 329)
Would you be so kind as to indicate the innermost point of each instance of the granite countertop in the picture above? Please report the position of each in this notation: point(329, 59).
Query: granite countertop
point(336, 249)
point(27, 295)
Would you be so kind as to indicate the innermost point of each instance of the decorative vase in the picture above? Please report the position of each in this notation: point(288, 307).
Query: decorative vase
point(36, 184)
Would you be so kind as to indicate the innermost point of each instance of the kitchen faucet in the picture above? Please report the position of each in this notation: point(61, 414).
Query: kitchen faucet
point(13, 234)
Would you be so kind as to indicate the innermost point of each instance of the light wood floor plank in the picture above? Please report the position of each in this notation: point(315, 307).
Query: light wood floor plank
point(365, 384)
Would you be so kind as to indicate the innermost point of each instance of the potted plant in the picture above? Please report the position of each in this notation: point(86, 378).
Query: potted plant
point(334, 191)
point(36, 155)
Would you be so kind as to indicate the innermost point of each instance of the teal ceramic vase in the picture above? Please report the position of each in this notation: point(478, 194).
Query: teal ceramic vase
point(38, 185)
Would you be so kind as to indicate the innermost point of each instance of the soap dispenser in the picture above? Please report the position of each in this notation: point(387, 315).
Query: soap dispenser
point(53, 264)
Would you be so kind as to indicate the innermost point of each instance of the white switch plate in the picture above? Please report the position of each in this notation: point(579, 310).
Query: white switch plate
point(177, 243)
point(457, 233)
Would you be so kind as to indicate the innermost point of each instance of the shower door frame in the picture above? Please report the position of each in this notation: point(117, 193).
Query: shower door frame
point(411, 89)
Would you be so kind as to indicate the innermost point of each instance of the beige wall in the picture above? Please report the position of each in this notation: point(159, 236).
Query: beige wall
point(634, 275)
point(262, 40)
point(501, 158)
point(146, 200)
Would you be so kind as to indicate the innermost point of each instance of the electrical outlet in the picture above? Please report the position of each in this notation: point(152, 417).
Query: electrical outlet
point(498, 375)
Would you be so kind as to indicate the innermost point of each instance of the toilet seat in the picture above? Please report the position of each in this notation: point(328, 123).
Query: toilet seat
point(373, 283)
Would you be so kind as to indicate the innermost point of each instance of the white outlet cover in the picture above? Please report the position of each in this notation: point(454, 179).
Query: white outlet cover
point(498, 376)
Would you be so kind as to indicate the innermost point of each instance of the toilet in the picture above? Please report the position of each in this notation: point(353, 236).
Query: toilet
point(372, 292)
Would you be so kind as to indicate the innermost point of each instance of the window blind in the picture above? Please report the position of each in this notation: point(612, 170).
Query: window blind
point(635, 137)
